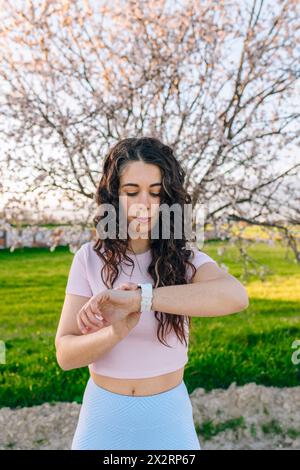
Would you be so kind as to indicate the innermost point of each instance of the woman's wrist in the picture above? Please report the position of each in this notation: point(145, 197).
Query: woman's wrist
point(137, 300)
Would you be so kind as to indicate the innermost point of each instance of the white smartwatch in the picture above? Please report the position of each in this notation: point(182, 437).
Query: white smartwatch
point(147, 296)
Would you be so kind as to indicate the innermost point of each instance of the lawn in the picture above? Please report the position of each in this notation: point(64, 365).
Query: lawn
point(254, 345)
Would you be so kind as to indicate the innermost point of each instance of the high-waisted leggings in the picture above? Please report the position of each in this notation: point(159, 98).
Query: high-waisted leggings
point(111, 421)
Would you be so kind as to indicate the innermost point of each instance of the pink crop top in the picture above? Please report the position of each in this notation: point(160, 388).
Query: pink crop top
point(140, 354)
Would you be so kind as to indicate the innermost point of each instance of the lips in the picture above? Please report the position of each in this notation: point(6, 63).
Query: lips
point(143, 219)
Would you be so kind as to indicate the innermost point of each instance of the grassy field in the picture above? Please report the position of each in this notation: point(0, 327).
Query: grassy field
point(251, 346)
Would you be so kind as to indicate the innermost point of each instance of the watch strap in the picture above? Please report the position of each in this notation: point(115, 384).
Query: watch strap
point(147, 295)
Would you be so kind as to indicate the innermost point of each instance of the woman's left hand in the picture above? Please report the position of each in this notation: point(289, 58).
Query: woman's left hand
point(115, 304)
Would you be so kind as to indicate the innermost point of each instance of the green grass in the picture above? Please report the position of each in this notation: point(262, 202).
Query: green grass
point(208, 429)
point(272, 427)
point(251, 346)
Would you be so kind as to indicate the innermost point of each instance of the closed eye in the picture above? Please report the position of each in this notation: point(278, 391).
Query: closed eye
point(151, 194)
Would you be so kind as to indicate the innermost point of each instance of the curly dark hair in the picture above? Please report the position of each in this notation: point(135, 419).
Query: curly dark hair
point(170, 257)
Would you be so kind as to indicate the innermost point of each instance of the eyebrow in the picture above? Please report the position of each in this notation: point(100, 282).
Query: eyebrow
point(136, 185)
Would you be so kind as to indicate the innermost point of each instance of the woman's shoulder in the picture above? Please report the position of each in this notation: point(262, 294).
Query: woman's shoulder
point(87, 248)
point(89, 252)
point(199, 257)
point(86, 252)
point(83, 249)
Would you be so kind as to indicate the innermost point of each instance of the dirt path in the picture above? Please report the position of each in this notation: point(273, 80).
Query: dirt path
point(246, 417)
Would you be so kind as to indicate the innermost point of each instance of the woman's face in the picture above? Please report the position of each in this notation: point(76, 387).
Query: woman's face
point(140, 188)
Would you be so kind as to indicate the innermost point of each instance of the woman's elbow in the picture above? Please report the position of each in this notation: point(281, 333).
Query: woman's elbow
point(61, 357)
point(63, 365)
point(61, 361)
point(242, 299)
point(235, 295)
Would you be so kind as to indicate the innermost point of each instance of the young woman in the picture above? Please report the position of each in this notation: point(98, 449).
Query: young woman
point(136, 346)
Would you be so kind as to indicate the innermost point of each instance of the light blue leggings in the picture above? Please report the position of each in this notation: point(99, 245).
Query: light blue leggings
point(113, 421)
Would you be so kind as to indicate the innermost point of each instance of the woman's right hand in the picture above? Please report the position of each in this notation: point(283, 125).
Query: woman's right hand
point(122, 328)
point(90, 322)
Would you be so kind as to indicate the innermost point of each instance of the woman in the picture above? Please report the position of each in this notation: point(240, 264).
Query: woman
point(136, 351)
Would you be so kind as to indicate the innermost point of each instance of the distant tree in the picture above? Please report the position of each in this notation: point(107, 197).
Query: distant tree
point(216, 80)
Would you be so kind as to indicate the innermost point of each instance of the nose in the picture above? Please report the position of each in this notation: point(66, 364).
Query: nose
point(144, 205)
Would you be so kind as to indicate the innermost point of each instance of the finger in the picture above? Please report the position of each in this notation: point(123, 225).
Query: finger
point(93, 307)
point(135, 313)
point(86, 318)
point(81, 325)
point(132, 285)
point(93, 312)
point(99, 317)
point(94, 318)
point(90, 329)
point(128, 286)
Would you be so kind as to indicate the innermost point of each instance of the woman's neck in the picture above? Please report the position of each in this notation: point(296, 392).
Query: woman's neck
point(138, 246)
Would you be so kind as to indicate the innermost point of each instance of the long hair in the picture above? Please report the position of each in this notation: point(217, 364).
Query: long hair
point(170, 257)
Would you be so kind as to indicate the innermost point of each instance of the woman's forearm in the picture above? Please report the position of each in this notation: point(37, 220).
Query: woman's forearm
point(74, 351)
point(217, 297)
